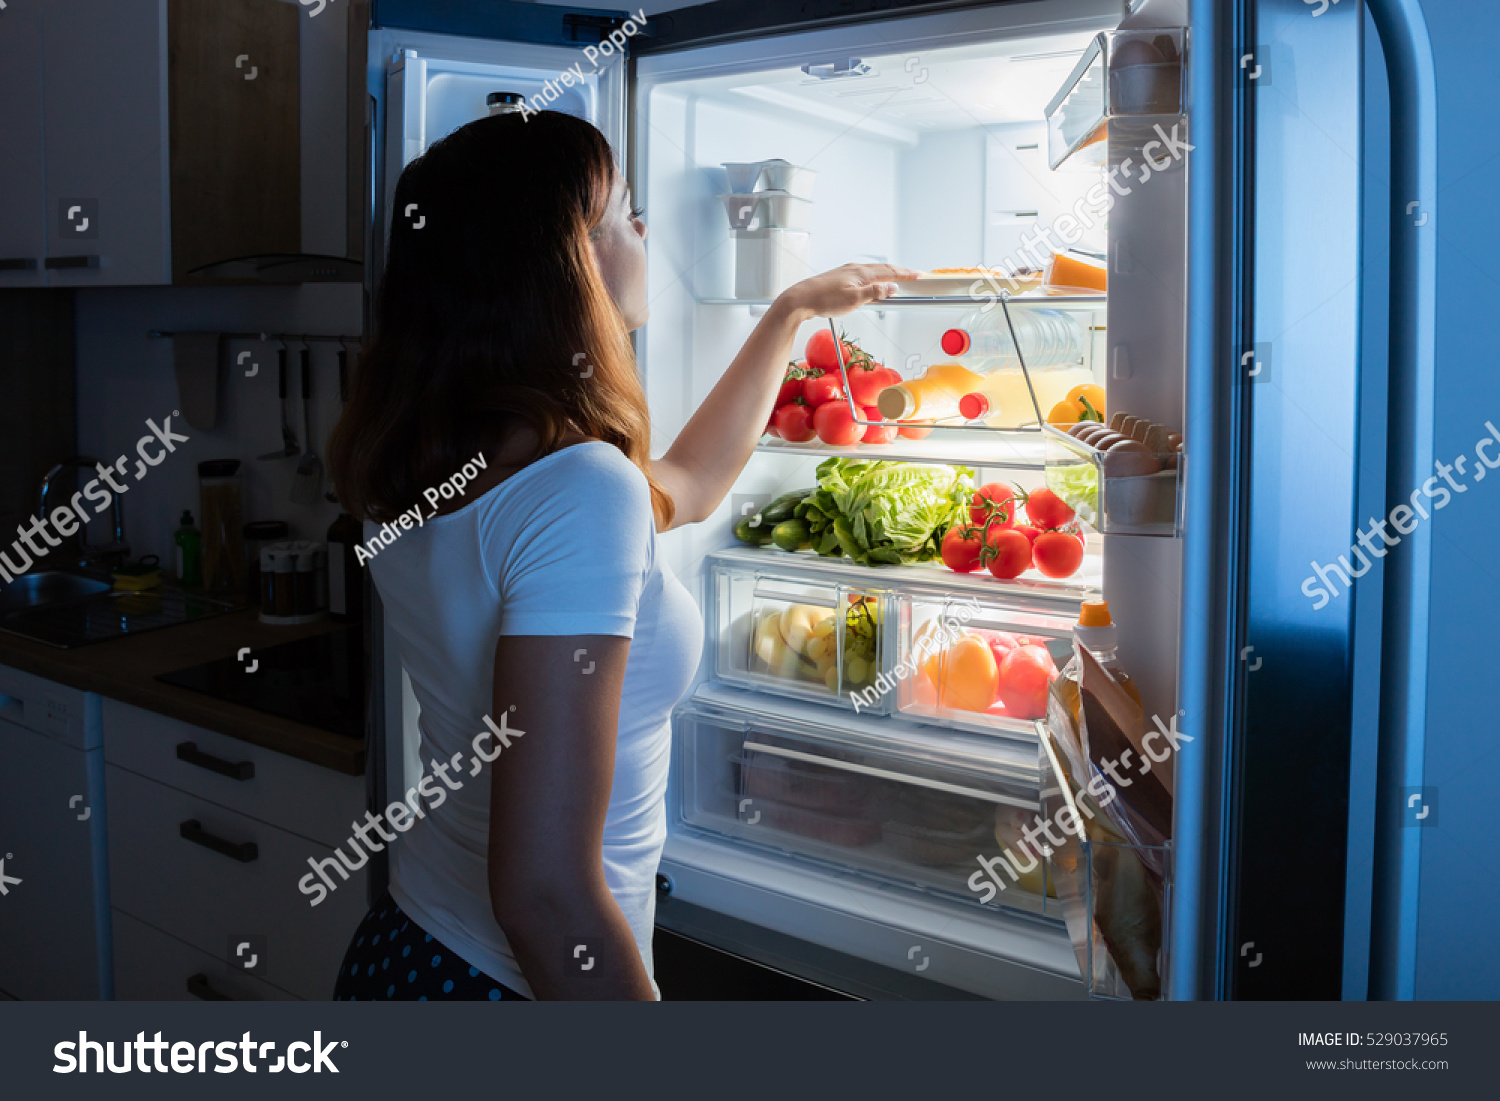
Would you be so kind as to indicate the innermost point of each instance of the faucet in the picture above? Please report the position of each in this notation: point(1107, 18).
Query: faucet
point(108, 554)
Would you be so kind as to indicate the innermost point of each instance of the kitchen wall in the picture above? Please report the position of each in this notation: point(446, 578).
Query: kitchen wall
point(124, 377)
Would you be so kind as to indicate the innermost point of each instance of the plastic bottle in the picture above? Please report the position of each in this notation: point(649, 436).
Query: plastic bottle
point(982, 341)
point(934, 396)
point(189, 543)
point(1096, 633)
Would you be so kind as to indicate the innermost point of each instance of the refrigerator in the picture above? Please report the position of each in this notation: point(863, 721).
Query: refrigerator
point(1233, 169)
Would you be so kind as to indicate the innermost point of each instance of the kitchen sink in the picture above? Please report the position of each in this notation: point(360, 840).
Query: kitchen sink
point(68, 609)
point(32, 590)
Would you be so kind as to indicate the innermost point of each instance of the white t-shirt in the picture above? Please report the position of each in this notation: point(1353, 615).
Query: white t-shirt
point(565, 546)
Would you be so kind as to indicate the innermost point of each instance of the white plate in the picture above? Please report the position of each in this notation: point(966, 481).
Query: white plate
point(927, 284)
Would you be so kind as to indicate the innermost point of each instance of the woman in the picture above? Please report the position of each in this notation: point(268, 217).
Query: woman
point(536, 602)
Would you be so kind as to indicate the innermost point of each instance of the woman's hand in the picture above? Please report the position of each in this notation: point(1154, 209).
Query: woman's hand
point(842, 290)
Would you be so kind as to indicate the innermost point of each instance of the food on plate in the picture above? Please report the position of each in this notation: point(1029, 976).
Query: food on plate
point(794, 422)
point(877, 433)
point(835, 425)
point(1057, 554)
point(961, 548)
point(886, 512)
point(1006, 553)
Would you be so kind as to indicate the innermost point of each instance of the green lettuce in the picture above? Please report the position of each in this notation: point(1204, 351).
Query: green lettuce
point(888, 512)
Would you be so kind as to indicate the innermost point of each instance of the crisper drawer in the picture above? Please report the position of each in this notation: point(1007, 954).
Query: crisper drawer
point(983, 665)
point(815, 639)
point(908, 805)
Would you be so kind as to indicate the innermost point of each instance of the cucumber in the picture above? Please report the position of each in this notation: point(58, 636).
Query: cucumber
point(791, 535)
point(747, 531)
point(783, 507)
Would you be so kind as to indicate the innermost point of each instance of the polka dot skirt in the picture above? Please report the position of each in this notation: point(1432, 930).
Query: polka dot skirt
point(392, 958)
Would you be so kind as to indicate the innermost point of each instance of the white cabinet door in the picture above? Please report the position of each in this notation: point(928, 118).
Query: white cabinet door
point(22, 201)
point(150, 966)
point(49, 939)
point(104, 69)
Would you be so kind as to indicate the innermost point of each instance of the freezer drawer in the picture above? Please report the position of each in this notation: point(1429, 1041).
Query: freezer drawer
point(906, 805)
point(958, 669)
point(811, 638)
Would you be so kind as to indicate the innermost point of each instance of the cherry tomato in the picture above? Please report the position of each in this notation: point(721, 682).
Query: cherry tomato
point(914, 430)
point(1025, 673)
point(961, 548)
point(877, 433)
point(835, 425)
point(994, 503)
point(821, 389)
point(1058, 554)
point(794, 422)
point(1007, 553)
point(1047, 510)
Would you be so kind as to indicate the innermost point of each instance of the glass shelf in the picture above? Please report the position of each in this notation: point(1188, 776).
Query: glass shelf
point(948, 301)
point(993, 447)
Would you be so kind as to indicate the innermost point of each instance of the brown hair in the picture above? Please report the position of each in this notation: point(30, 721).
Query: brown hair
point(491, 308)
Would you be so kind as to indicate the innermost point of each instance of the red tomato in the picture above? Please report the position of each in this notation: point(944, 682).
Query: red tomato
point(1027, 530)
point(821, 389)
point(866, 380)
point(877, 433)
point(791, 387)
point(1001, 643)
point(1007, 553)
point(914, 430)
point(961, 548)
point(820, 351)
point(771, 427)
point(835, 425)
point(1047, 510)
point(994, 504)
point(1025, 673)
point(1058, 554)
point(794, 422)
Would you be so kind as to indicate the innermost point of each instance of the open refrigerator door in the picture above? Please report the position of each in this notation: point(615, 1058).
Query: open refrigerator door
point(859, 766)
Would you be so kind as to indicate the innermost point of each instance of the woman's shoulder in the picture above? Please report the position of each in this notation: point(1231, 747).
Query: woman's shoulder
point(590, 478)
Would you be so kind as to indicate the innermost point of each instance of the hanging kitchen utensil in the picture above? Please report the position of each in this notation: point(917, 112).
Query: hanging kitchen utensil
point(289, 446)
point(309, 480)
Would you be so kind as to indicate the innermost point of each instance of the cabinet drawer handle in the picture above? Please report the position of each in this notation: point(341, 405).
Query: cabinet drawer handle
point(18, 263)
point(192, 830)
point(235, 770)
point(197, 986)
point(71, 262)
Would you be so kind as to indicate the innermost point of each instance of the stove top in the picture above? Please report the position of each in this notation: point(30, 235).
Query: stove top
point(319, 681)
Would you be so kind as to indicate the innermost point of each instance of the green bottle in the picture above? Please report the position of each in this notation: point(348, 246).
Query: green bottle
point(189, 551)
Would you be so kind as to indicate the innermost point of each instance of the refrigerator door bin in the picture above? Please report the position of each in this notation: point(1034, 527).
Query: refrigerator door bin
point(818, 639)
point(1137, 494)
point(768, 261)
point(905, 805)
point(955, 651)
point(1115, 895)
point(1131, 80)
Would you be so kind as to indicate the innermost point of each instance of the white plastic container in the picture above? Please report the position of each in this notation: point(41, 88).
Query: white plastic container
point(768, 261)
point(766, 210)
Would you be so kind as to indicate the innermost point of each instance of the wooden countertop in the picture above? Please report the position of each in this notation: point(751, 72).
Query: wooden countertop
point(125, 669)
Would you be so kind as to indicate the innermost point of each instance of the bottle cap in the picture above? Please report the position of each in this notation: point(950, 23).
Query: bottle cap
point(896, 403)
point(1094, 613)
point(973, 406)
point(955, 342)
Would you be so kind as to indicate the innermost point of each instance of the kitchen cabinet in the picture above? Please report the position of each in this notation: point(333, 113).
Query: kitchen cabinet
point(209, 838)
point(146, 138)
point(54, 909)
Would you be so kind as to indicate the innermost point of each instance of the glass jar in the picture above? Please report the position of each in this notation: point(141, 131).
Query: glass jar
point(504, 103)
point(257, 534)
point(220, 500)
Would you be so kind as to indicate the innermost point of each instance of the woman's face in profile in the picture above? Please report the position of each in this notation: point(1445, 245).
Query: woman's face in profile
point(620, 248)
